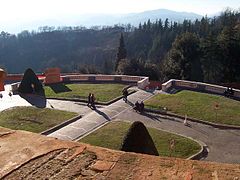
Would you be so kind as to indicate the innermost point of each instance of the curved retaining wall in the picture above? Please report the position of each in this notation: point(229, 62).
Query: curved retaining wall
point(198, 86)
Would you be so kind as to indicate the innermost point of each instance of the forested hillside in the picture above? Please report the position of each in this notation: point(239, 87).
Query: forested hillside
point(206, 49)
point(70, 48)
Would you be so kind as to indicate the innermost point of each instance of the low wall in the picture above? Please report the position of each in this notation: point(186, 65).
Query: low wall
point(18, 77)
point(14, 77)
point(14, 86)
point(198, 86)
point(143, 83)
point(140, 81)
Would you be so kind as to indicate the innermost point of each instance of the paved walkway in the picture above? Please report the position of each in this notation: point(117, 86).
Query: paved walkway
point(77, 107)
point(10, 100)
point(98, 117)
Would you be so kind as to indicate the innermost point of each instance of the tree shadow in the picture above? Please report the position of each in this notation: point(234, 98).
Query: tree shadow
point(102, 114)
point(58, 88)
point(35, 99)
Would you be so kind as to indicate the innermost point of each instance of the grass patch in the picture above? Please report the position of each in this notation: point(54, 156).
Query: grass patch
point(33, 119)
point(102, 92)
point(199, 105)
point(111, 136)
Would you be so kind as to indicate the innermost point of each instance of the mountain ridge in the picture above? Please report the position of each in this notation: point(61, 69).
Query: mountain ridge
point(89, 20)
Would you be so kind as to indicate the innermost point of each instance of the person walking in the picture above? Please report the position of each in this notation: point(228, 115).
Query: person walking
point(125, 94)
point(137, 106)
point(141, 106)
point(92, 100)
point(89, 99)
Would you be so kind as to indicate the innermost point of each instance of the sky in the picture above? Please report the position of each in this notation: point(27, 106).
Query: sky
point(15, 12)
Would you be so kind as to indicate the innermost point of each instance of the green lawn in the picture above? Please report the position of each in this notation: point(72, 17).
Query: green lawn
point(199, 105)
point(111, 136)
point(102, 92)
point(33, 119)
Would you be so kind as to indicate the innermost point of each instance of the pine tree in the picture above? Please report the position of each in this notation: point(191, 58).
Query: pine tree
point(122, 52)
point(182, 61)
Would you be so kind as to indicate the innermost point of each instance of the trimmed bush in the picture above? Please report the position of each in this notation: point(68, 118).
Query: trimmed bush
point(138, 140)
point(30, 83)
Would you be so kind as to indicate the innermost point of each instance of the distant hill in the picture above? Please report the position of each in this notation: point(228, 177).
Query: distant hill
point(136, 18)
point(89, 20)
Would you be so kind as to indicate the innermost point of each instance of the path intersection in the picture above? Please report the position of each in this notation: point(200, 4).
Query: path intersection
point(98, 117)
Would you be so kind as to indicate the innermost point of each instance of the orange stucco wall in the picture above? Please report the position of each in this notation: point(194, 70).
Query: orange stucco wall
point(2, 77)
point(52, 75)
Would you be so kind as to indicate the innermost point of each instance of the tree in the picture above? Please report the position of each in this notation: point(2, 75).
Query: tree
point(211, 59)
point(138, 140)
point(151, 70)
point(131, 67)
point(229, 45)
point(30, 83)
point(183, 60)
point(166, 24)
point(122, 52)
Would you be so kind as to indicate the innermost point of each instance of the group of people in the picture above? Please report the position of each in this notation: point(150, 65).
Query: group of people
point(91, 101)
point(139, 107)
point(229, 92)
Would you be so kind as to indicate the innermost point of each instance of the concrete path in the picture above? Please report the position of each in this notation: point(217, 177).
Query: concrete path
point(98, 117)
point(223, 145)
point(77, 107)
point(9, 100)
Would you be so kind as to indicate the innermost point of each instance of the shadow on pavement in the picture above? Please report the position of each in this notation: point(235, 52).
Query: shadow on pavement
point(102, 114)
point(35, 100)
point(153, 117)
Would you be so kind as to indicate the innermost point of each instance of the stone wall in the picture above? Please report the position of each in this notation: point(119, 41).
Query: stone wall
point(197, 86)
point(140, 81)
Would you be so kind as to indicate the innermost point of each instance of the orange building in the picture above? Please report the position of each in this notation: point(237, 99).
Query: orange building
point(52, 75)
point(2, 77)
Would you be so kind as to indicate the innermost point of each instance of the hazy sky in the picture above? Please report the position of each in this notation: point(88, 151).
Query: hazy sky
point(20, 11)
